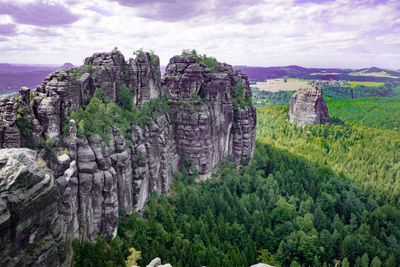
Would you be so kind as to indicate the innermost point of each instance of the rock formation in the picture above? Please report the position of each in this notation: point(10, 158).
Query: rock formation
point(208, 124)
point(31, 231)
point(9, 134)
point(308, 107)
point(209, 118)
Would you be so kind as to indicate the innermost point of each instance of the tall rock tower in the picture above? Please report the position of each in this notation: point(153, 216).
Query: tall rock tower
point(308, 107)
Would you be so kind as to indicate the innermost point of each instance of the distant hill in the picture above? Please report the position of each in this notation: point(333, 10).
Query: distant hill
point(66, 66)
point(293, 71)
point(14, 76)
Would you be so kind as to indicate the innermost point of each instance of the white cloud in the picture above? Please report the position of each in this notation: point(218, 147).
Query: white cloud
point(333, 34)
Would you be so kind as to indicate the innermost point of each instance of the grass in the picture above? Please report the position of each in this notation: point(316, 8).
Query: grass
point(353, 84)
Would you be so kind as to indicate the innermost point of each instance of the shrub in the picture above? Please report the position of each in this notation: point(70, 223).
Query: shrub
point(239, 97)
point(210, 62)
point(25, 125)
point(48, 144)
point(98, 116)
point(125, 98)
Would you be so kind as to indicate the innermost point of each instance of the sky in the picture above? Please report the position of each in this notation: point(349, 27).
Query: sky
point(310, 33)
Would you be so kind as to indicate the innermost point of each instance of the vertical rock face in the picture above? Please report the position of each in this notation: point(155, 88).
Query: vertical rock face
point(308, 107)
point(102, 180)
point(154, 158)
point(107, 72)
point(9, 133)
point(208, 122)
point(31, 231)
point(210, 118)
point(145, 77)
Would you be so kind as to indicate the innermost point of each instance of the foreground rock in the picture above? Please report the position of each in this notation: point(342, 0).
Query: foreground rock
point(31, 231)
point(308, 107)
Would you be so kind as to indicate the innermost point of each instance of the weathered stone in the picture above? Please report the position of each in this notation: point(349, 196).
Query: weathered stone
point(207, 121)
point(154, 263)
point(31, 231)
point(308, 107)
point(145, 77)
point(96, 180)
point(9, 133)
point(107, 71)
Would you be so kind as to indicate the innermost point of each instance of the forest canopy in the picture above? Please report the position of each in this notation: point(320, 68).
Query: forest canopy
point(287, 208)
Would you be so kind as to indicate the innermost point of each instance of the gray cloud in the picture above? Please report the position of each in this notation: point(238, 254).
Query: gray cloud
point(8, 29)
point(39, 13)
point(177, 10)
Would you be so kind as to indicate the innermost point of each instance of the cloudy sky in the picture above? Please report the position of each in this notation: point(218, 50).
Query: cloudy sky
point(311, 33)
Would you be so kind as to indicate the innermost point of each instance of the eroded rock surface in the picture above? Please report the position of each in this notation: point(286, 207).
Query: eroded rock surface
point(308, 107)
point(209, 122)
point(31, 231)
point(9, 133)
point(145, 77)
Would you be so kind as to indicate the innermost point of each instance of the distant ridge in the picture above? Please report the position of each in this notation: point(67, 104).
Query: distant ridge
point(294, 71)
point(66, 66)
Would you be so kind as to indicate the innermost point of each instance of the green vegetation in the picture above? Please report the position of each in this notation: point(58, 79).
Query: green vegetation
point(354, 84)
point(48, 144)
point(98, 116)
point(367, 156)
point(239, 96)
point(338, 89)
point(262, 98)
point(319, 195)
point(25, 126)
point(280, 208)
point(76, 73)
point(133, 257)
point(210, 62)
point(375, 112)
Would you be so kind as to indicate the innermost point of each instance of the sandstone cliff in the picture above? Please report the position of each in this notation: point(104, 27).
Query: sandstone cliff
point(308, 107)
point(209, 118)
point(208, 123)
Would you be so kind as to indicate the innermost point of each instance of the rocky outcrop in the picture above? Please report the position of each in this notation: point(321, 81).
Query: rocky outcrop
point(154, 158)
point(102, 180)
point(107, 72)
point(209, 123)
point(308, 107)
point(31, 231)
point(144, 77)
point(210, 118)
point(9, 133)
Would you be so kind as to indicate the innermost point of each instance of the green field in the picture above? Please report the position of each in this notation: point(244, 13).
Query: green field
point(353, 84)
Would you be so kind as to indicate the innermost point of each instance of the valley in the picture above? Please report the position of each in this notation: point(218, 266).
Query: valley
point(317, 195)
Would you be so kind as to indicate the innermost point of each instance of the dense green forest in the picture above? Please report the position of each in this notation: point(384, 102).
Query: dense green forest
point(374, 112)
point(311, 196)
point(333, 90)
point(367, 156)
